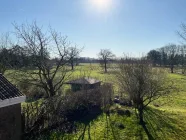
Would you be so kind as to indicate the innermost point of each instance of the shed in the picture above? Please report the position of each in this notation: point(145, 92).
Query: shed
point(84, 83)
point(10, 110)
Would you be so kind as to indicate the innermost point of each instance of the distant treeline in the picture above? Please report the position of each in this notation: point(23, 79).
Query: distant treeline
point(169, 56)
point(18, 57)
point(87, 60)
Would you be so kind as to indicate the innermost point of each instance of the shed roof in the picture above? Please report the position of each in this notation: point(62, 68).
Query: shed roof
point(85, 80)
point(8, 90)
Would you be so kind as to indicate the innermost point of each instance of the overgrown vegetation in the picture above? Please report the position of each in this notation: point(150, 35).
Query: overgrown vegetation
point(143, 85)
point(130, 103)
point(164, 118)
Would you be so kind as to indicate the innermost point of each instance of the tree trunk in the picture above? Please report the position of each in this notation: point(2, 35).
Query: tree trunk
point(105, 67)
point(172, 68)
point(51, 88)
point(140, 111)
point(72, 65)
point(183, 71)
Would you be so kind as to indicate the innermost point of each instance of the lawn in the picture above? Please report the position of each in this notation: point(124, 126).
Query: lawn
point(165, 118)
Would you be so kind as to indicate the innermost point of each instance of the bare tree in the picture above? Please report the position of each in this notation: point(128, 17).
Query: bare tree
point(143, 84)
point(182, 53)
point(41, 46)
point(4, 45)
point(182, 32)
point(105, 56)
point(164, 57)
point(73, 54)
point(171, 51)
point(182, 35)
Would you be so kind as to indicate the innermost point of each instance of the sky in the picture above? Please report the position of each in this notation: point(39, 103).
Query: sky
point(132, 27)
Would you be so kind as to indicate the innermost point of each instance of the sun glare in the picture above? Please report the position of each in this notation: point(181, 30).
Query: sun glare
point(101, 5)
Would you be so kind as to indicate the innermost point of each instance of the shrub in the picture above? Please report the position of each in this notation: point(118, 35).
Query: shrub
point(81, 103)
point(59, 113)
point(32, 92)
point(124, 112)
point(125, 102)
point(119, 125)
point(35, 93)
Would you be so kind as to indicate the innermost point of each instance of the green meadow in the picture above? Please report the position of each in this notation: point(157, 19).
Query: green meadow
point(165, 118)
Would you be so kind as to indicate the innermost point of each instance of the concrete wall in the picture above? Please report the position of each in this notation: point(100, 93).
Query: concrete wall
point(10, 122)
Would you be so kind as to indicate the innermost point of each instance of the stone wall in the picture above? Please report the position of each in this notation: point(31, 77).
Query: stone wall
point(10, 122)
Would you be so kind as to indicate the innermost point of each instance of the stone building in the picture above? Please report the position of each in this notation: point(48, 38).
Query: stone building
point(10, 110)
point(84, 84)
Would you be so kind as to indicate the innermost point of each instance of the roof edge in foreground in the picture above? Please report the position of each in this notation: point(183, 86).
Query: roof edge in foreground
point(12, 101)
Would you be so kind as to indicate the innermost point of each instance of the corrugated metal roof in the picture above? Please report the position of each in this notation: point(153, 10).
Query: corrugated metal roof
point(84, 81)
point(8, 90)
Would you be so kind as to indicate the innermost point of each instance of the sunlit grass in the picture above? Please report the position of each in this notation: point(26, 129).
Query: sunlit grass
point(165, 117)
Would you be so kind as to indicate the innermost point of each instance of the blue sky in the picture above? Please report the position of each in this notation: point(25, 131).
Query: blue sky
point(124, 26)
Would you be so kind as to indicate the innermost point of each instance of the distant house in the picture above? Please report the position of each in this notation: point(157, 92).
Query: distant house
point(10, 110)
point(84, 84)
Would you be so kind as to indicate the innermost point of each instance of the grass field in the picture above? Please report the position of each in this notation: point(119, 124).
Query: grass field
point(165, 117)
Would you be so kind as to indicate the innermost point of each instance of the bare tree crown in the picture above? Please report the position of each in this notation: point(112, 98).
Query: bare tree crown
point(42, 46)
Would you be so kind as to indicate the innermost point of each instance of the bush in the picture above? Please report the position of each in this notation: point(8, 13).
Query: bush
point(119, 125)
point(79, 104)
point(32, 92)
point(35, 93)
point(124, 112)
point(59, 113)
point(125, 102)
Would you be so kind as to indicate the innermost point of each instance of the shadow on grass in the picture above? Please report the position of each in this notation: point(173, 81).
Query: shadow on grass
point(109, 130)
point(90, 116)
point(87, 120)
point(114, 131)
point(161, 126)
